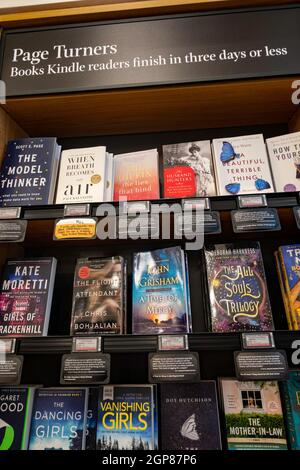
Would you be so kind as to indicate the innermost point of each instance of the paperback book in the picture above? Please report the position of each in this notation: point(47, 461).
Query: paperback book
point(59, 419)
point(237, 286)
point(291, 392)
point(15, 415)
point(188, 170)
point(190, 417)
point(126, 418)
point(91, 419)
point(25, 296)
point(242, 165)
point(29, 170)
point(289, 274)
point(98, 296)
point(284, 154)
point(253, 415)
point(160, 294)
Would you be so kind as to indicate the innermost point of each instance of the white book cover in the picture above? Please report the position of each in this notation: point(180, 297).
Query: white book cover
point(242, 165)
point(284, 154)
point(81, 176)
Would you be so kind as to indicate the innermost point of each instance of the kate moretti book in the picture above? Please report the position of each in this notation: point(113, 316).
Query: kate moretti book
point(291, 393)
point(284, 154)
point(289, 265)
point(253, 415)
point(242, 165)
point(25, 296)
point(237, 286)
point(188, 170)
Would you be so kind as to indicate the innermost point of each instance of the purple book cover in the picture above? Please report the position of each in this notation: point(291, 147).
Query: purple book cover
point(238, 292)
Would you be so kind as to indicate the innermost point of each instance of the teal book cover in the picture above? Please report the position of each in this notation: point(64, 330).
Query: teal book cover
point(291, 390)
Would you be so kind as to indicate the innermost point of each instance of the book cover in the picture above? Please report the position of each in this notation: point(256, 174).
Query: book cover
point(284, 154)
point(28, 172)
point(136, 176)
point(238, 292)
point(289, 257)
point(242, 165)
point(15, 415)
point(283, 291)
point(82, 174)
point(59, 419)
point(190, 417)
point(25, 296)
point(291, 392)
point(160, 299)
point(253, 415)
point(188, 170)
point(98, 296)
point(91, 419)
point(126, 416)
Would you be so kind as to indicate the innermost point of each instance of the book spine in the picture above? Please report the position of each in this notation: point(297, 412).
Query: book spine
point(27, 418)
point(49, 297)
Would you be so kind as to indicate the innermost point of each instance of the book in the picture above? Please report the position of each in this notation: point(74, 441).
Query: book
point(160, 302)
point(291, 393)
point(242, 165)
point(289, 262)
point(82, 176)
point(136, 176)
point(26, 291)
point(190, 417)
point(15, 414)
point(238, 292)
point(284, 155)
point(59, 419)
point(91, 419)
point(188, 170)
point(98, 296)
point(253, 415)
point(126, 418)
point(28, 172)
point(283, 291)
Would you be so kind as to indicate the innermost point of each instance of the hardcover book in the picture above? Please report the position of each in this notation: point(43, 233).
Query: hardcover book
point(28, 172)
point(238, 292)
point(190, 417)
point(59, 419)
point(253, 415)
point(160, 296)
point(242, 165)
point(284, 154)
point(291, 389)
point(126, 418)
point(98, 296)
point(91, 420)
point(25, 296)
point(15, 415)
point(188, 170)
point(136, 176)
point(289, 261)
point(82, 176)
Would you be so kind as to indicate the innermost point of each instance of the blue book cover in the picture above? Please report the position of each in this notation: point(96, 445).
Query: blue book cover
point(160, 301)
point(28, 172)
point(91, 420)
point(291, 389)
point(15, 414)
point(126, 418)
point(59, 419)
point(289, 256)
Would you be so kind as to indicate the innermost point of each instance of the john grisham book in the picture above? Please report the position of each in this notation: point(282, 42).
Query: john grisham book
point(25, 296)
point(28, 173)
point(15, 415)
point(188, 170)
point(289, 271)
point(98, 296)
point(59, 419)
point(190, 417)
point(160, 293)
point(238, 292)
point(291, 392)
point(126, 417)
point(253, 415)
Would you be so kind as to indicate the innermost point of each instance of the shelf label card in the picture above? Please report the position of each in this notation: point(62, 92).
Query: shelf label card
point(77, 210)
point(173, 343)
point(135, 227)
point(196, 204)
point(134, 207)
point(182, 366)
point(85, 369)
point(296, 211)
point(83, 228)
point(87, 344)
point(11, 369)
point(189, 223)
point(251, 201)
point(259, 340)
point(261, 365)
point(12, 231)
point(10, 213)
point(7, 346)
point(255, 220)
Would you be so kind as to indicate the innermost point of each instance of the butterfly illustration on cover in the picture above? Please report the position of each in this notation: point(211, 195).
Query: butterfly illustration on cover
point(189, 430)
